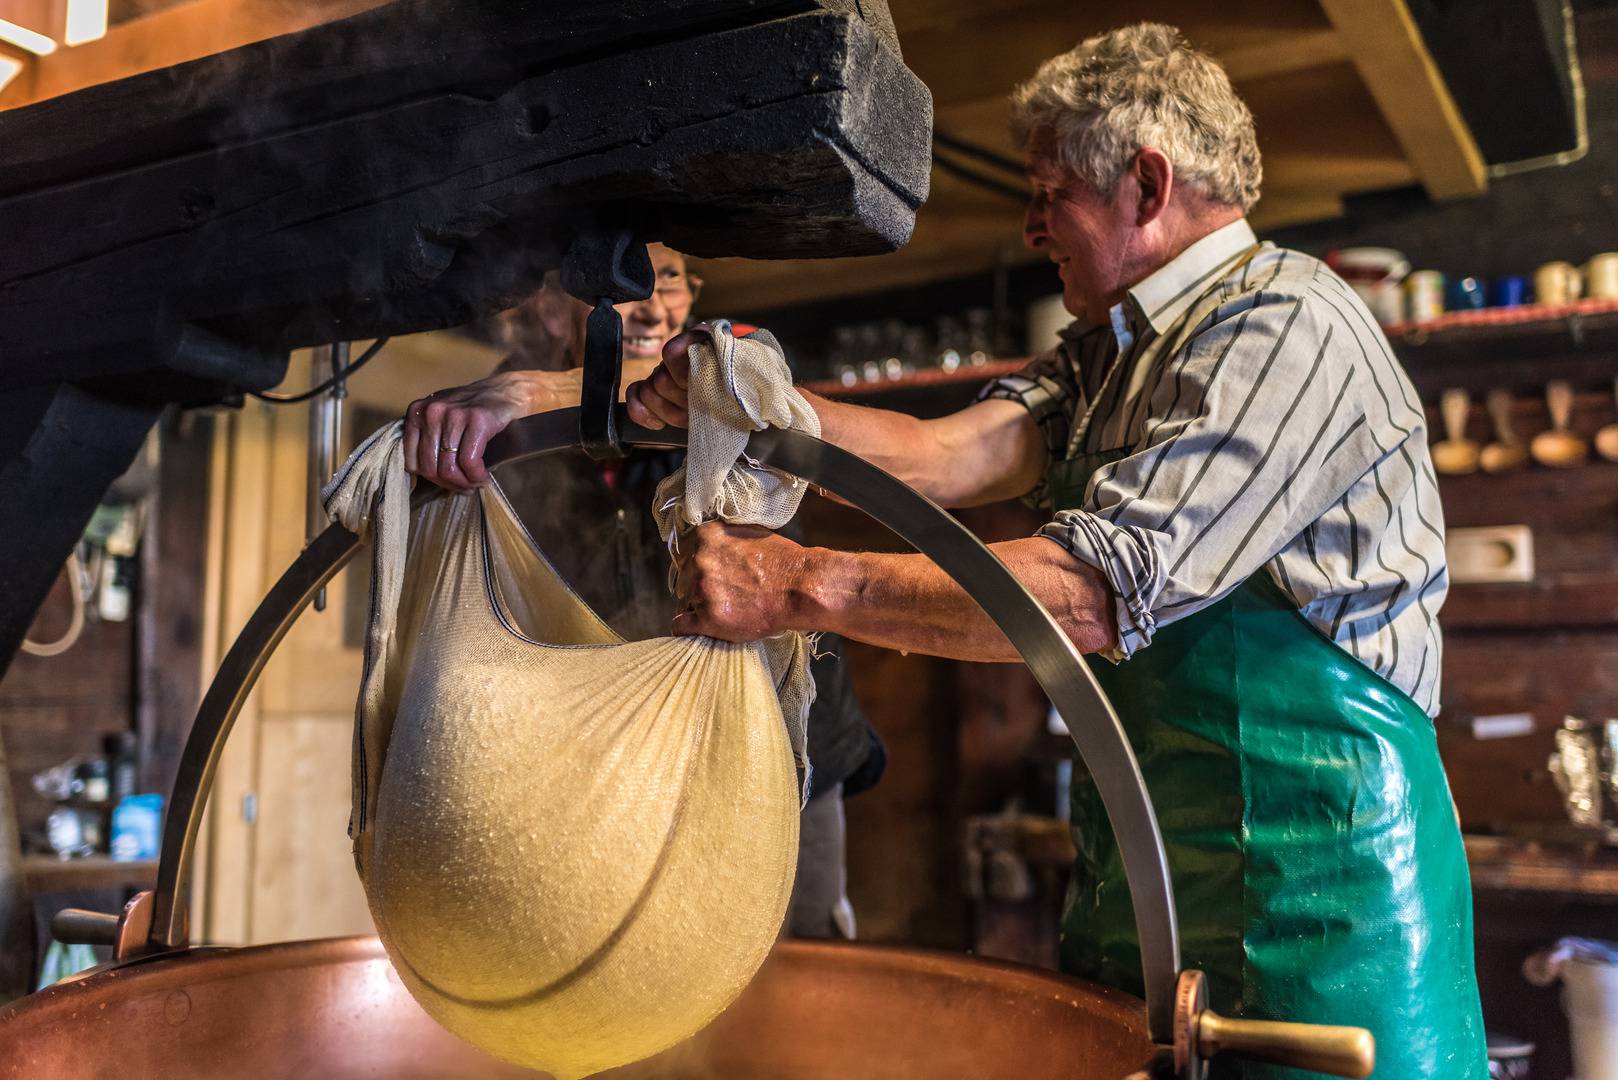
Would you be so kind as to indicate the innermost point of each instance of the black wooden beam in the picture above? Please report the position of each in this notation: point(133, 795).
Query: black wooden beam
point(170, 236)
point(801, 136)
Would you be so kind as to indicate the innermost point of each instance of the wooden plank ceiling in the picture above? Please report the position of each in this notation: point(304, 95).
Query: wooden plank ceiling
point(1345, 96)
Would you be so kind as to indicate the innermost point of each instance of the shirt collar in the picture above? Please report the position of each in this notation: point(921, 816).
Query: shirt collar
point(1162, 296)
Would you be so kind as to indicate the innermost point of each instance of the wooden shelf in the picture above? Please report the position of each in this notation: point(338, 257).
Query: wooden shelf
point(1501, 864)
point(48, 874)
point(1504, 321)
point(1519, 348)
point(920, 380)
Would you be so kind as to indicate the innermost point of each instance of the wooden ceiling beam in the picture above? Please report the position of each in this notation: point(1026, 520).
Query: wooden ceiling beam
point(950, 57)
point(175, 35)
point(1400, 74)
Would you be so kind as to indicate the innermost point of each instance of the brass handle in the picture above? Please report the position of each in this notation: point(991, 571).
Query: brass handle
point(1337, 1051)
point(1499, 405)
point(1455, 406)
point(1559, 403)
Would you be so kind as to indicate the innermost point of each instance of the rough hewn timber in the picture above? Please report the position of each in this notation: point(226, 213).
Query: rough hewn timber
point(800, 136)
point(168, 237)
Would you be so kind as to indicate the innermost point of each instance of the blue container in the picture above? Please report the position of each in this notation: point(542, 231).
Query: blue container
point(137, 827)
point(1509, 292)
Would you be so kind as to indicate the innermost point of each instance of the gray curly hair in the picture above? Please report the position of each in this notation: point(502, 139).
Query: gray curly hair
point(1139, 86)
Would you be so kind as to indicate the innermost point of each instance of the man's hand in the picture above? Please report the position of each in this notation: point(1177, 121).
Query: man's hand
point(659, 400)
point(445, 434)
point(737, 582)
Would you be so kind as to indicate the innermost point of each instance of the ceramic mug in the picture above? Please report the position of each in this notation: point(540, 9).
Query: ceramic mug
point(1557, 283)
point(1375, 274)
point(1509, 292)
point(1424, 295)
point(1601, 276)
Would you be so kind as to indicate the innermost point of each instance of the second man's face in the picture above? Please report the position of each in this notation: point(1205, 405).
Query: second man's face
point(651, 322)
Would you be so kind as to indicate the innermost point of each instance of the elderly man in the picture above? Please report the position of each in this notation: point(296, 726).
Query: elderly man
point(1246, 532)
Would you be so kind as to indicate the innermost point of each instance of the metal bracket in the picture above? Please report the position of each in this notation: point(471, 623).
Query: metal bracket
point(603, 375)
point(603, 268)
point(125, 933)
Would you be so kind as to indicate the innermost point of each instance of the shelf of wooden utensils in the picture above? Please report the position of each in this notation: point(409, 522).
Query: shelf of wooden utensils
point(923, 377)
point(1519, 348)
point(1562, 428)
point(49, 874)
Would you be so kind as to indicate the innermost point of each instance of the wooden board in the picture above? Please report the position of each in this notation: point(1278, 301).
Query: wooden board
point(431, 207)
point(1400, 73)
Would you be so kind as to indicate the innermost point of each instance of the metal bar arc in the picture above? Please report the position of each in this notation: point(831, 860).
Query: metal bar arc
point(1096, 731)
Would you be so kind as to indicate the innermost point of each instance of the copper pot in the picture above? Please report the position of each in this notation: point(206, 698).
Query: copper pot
point(335, 1009)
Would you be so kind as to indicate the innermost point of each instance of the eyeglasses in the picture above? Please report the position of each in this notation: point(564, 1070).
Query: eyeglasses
point(674, 286)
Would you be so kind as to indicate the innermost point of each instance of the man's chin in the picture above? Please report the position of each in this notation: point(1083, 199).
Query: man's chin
point(1075, 306)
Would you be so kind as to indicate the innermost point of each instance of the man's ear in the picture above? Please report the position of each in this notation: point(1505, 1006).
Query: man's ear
point(1154, 178)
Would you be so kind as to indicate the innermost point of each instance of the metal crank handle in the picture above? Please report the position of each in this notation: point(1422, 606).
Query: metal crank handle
point(1200, 1033)
point(1336, 1051)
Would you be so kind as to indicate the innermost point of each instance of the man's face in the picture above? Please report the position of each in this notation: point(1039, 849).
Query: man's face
point(651, 322)
point(1085, 234)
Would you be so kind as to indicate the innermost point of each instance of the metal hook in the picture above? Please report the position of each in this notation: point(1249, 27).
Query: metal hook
point(604, 267)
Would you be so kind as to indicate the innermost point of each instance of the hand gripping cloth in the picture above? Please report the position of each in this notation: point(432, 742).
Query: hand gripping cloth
point(577, 850)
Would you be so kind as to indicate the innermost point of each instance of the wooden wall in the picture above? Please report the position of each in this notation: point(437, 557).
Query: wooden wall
point(52, 708)
point(142, 674)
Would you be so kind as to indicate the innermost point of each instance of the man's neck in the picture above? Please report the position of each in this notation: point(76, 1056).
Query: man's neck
point(1171, 243)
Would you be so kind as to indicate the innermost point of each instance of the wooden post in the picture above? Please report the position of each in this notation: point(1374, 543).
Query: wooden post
point(16, 908)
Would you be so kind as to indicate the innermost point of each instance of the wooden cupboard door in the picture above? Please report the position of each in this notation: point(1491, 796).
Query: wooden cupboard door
point(275, 863)
point(304, 884)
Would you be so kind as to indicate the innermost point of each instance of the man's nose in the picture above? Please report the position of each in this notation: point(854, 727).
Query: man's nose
point(649, 313)
point(1033, 224)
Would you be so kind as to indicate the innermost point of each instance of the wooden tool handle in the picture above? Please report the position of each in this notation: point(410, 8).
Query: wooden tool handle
point(1559, 400)
point(1337, 1051)
point(1498, 404)
point(1455, 406)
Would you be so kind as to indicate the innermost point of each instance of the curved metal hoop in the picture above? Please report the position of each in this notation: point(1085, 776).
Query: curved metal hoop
point(1090, 718)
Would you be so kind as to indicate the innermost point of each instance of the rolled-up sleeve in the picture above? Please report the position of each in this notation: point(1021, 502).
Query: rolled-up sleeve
point(1252, 404)
point(1048, 388)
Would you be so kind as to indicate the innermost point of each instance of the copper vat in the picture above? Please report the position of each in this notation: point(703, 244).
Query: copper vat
point(334, 1009)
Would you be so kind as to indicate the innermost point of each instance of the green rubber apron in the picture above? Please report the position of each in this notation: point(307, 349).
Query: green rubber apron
point(1317, 863)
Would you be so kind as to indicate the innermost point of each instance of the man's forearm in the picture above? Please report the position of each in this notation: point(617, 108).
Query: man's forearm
point(986, 452)
point(906, 602)
point(892, 441)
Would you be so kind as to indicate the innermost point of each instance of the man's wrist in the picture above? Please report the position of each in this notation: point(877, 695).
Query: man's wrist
point(814, 595)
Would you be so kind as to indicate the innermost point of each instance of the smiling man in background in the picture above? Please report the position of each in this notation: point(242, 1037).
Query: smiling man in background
point(594, 523)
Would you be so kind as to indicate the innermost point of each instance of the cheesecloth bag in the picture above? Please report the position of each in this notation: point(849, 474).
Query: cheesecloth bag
point(577, 850)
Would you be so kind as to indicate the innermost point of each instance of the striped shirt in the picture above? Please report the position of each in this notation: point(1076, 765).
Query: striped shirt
point(1282, 434)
